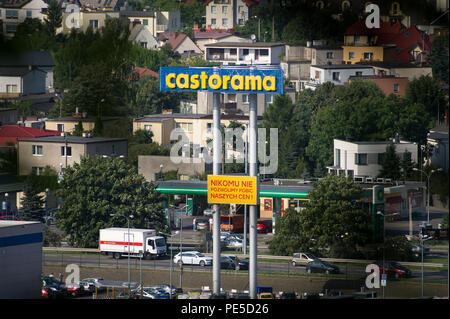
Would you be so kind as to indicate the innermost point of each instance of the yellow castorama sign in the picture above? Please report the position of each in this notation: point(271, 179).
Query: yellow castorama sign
point(227, 80)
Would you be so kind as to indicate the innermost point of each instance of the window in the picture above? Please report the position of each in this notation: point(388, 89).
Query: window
point(368, 56)
point(93, 24)
point(269, 98)
point(381, 158)
point(225, 9)
point(36, 150)
point(345, 5)
point(351, 55)
point(336, 76)
point(209, 127)
point(361, 159)
point(241, 9)
point(245, 99)
point(144, 44)
point(358, 73)
point(12, 14)
point(396, 88)
point(330, 55)
point(11, 88)
point(187, 127)
point(240, 21)
point(213, 21)
point(356, 39)
point(264, 52)
point(69, 151)
point(337, 157)
point(213, 9)
point(245, 52)
point(317, 76)
point(29, 14)
point(231, 98)
point(395, 8)
point(37, 170)
point(147, 127)
point(60, 127)
point(11, 28)
point(225, 22)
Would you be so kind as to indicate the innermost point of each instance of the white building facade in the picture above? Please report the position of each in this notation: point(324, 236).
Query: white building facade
point(338, 74)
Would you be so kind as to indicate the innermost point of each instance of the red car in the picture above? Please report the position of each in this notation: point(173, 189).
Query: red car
point(46, 292)
point(264, 226)
point(9, 217)
point(75, 290)
point(394, 269)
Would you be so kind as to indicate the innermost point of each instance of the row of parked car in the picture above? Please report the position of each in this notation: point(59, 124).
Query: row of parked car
point(315, 265)
point(200, 259)
point(53, 288)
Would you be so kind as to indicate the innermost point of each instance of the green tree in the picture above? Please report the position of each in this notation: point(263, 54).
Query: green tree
point(143, 136)
point(78, 129)
point(287, 234)
point(438, 58)
point(50, 238)
point(96, 187)
point(98, 127)
point(53, 19)
point(32, 203)
point(390, 164)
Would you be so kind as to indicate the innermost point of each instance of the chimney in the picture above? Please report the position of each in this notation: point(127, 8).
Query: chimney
point(167, 111)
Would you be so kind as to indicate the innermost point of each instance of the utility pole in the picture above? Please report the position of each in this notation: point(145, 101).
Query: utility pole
point(253, 165)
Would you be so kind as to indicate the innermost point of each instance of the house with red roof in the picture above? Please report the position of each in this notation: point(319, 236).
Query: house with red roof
point(392, 42)
point(179, 43)
point(11, 133)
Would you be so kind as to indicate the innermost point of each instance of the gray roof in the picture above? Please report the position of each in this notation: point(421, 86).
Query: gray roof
point(14, 71)
point(73, 139)
point(101, 3)
point(13, 3)
point(143, 14)
point(33, 58)
point(194, 116)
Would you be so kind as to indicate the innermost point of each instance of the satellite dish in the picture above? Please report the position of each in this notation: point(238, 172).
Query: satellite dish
point(253, 37)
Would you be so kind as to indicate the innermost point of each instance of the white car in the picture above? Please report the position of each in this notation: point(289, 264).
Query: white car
point(192, 258)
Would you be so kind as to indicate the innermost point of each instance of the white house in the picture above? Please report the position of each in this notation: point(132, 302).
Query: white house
point(142, 36)
point(14, 12)
point(18, 81)
point(363, 159)
point(236, 53)
point(337, 74)
point(202, 38)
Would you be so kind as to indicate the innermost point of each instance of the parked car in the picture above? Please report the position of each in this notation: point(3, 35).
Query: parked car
point(287, 295)
point(166, 287)
point(192, 258)
point(147, 293)
point(89, 287)
point(235, 242)
point(10, 217)
point(58, 288)
point(417, 250)
point(302, 259)
point(47, 292)
point(229, 262)
point(264, 226)
point(320, 266)
point(394, 269)
point(95, 281)
point(224, 235)
point(202, 224)
point(75, 289)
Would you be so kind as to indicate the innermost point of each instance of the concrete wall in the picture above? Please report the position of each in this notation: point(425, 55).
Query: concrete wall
point(20, 260)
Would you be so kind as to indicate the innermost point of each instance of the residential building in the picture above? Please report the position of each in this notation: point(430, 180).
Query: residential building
point(142, 36)
point(153, 166)
point(202, 38)
point(8, 115)
point(82, 20)
point(297, 60)
point(337, 74)
point(17, 81)
point(399, 69)
point(226, 14)
point(197, 128)
point(180, 43)
point(156, 22)
point(14, 12)
point(67, 123)
point(392, 42)
point(60, 152)
point(363, 159)
point(104, 5)
point(12, 133)
point(236, 53)
point(389, 84)
point(438, 140)
point(18, 65)
point(140, 72)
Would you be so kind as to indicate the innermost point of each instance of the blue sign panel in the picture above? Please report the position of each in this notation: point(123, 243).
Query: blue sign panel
point(224, 80)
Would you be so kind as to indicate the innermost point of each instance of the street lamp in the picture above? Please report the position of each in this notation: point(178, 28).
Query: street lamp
point(384, 240)
point(171, 260)
point(128, 221)
point(428, 187)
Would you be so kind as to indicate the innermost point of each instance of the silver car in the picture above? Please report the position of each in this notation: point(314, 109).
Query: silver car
point(192, 258)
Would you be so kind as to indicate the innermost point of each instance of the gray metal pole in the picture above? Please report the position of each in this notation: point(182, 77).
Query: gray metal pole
point(217, 161)
point(129, 276)
point(253, 165)
point(245, 206)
